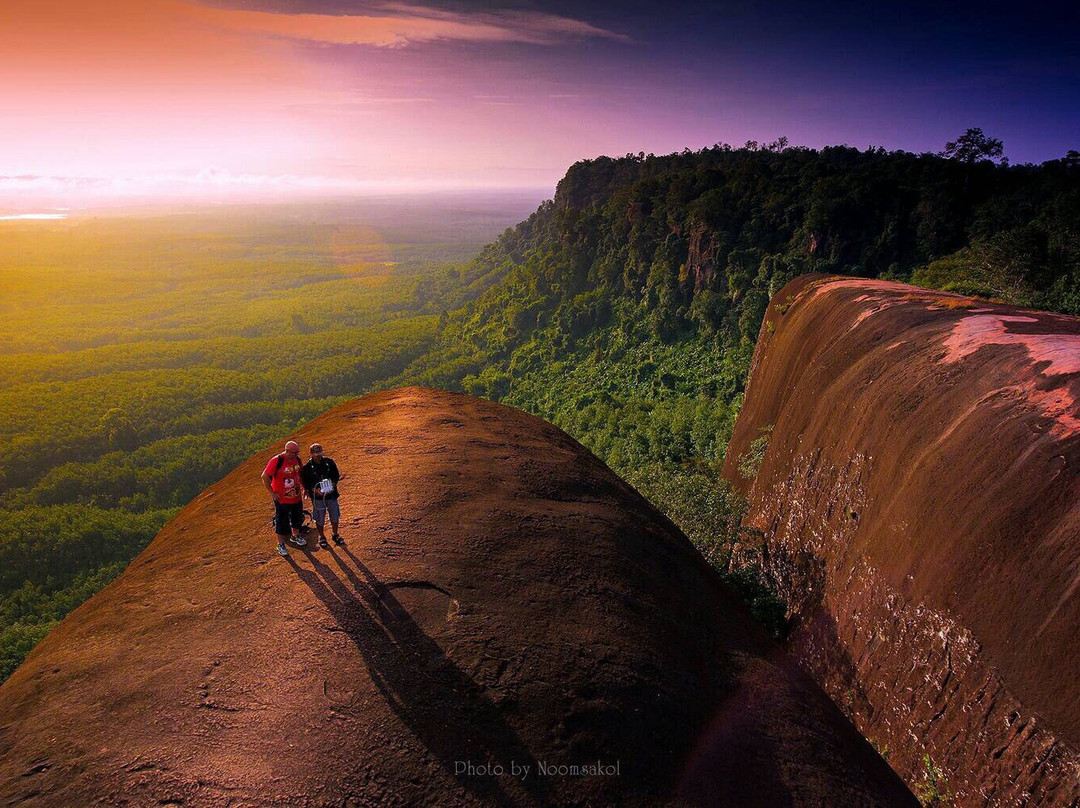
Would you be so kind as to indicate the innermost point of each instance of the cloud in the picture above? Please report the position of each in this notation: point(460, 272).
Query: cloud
point(400, 25)
point(34, 182)
point(205, 178)
point(363, 105)
point(497, 100)
point(29, 189)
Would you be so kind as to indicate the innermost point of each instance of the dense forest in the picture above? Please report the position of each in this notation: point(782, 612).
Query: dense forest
point(627, 307)
point(624, 310)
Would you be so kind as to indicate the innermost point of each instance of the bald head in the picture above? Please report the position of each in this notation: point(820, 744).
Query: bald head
point(292, 447)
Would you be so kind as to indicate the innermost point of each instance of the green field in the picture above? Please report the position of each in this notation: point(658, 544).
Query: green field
point(143, 355)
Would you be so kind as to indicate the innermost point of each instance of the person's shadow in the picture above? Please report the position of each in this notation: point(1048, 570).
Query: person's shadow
point(441, 705)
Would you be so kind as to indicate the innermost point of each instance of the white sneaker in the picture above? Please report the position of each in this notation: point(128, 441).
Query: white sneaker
point(299, 540)
point(282, 550)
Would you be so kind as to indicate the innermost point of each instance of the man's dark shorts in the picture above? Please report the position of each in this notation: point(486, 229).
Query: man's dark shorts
point(286, 514)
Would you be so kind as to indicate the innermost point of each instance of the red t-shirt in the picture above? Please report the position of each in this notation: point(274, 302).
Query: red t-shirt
point(285, 479)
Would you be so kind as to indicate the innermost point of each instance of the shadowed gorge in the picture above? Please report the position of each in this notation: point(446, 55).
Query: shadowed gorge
point(503, 598)
point(916, 487)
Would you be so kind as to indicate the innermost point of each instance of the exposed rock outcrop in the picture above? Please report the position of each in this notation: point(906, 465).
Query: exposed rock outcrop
point(918, 498)
point(701, 257)
point(503, 599)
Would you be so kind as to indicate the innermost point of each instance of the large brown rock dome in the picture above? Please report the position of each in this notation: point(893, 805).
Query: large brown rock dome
point(503, 599)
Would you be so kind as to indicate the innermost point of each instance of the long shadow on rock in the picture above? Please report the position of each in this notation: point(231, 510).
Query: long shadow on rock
point(442, 706)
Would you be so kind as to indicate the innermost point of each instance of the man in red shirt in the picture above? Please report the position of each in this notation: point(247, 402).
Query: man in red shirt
point(282, 479)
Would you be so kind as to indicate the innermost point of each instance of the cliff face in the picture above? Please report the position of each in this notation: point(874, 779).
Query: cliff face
point(701, 257)
point(503, 600)
point(918, 499)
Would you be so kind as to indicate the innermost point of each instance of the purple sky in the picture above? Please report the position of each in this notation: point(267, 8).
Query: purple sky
point(285, 97)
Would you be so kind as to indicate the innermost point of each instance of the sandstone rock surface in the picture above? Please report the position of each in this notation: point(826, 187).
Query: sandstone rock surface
point(503, 599)
point(919, 499)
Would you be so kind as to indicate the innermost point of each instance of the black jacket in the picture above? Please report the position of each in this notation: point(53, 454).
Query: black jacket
point(312, 472)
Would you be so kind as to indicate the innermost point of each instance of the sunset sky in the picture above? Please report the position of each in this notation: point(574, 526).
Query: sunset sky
point(166, 97)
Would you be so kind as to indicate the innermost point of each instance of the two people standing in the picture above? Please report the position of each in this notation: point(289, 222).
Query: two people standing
point(288, 481)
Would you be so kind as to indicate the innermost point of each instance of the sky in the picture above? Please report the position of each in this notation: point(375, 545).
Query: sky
point(224, 98)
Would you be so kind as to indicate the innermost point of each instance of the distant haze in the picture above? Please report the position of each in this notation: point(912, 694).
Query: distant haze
point(266, 99)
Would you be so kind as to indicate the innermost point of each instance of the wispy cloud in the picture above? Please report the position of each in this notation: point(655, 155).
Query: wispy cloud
point(364, 105)
point(497, 100)
point(400, 25)
point(207, 183)
point(206, 179)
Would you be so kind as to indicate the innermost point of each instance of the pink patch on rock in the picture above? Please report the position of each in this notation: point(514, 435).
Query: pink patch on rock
point(969, 334)
point(1060, 351)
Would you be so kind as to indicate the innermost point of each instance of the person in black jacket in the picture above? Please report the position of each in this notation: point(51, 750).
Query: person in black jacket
point(320, 477)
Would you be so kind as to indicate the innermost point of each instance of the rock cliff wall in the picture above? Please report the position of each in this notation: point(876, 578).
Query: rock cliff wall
point(919, 504)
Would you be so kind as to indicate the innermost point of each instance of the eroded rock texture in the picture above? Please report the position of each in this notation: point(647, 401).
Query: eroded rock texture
point(503, 599)
point(918, 502)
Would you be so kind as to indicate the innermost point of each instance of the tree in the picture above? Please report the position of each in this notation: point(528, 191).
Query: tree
point(973, 146)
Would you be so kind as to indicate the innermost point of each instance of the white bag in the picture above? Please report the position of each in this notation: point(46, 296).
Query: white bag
point(324, 487)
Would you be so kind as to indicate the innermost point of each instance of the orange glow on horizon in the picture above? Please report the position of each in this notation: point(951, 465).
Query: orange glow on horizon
point(120, 95)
